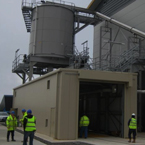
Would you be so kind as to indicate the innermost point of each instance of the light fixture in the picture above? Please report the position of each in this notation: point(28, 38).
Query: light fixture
point(114, 89)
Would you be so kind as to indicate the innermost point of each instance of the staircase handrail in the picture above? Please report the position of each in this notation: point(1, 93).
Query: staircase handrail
point(18, 60)
point(26, 3)
point(63, 2)
point(117, 61)
point(126, 58)
point(29, 4)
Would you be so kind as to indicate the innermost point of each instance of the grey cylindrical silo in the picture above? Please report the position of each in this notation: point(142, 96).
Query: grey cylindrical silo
point(51, 31)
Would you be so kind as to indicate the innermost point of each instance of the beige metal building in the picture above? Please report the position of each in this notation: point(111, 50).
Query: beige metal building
point(59, 98)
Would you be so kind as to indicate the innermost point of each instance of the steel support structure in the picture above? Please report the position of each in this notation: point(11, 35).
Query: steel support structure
point(105, 50)
point(85, 17)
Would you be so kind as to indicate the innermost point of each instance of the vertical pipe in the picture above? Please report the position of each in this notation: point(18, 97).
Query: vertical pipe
point(100, 53)
point(139, 47)
point(31, 71)
point(24, 78)
point(123, 101)
point(111, 45)
point(35, 31)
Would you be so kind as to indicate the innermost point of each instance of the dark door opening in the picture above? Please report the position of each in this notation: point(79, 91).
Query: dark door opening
point(103, 104)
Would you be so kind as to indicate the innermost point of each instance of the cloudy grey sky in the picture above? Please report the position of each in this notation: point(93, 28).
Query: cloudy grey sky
point(13, 35)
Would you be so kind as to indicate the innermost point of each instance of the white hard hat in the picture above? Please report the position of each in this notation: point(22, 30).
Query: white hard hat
point(133, 114)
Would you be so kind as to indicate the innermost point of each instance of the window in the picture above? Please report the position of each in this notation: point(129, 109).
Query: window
point(48, 84)
point(46, 122)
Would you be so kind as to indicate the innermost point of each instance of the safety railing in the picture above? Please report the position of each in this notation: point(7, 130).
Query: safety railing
point(17, 61)
point(83, 14)
point(34, 3)
point(27, 4)
point(94, 63)
point(63, 2)
point(117, 62)
point(123, 61)
point(85, 52)
point(79, 59)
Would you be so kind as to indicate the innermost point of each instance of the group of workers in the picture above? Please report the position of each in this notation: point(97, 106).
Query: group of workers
point(29, 125)
point(132, 124)
point(28, 122)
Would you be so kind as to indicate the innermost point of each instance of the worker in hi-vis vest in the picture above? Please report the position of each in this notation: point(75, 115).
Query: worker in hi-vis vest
point(24, 114)
point(29, 127)
point(11, 123)
point(22, 120)
point(84, 122)
point(132, 124)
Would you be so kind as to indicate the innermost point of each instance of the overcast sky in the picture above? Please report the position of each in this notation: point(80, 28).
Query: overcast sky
point(13, 35)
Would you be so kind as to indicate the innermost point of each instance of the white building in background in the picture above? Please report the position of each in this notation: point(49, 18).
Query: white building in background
point(132, 15)
point(117, 49)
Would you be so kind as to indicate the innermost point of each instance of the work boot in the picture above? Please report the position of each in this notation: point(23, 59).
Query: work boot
point(129, 140)
point(133, 141)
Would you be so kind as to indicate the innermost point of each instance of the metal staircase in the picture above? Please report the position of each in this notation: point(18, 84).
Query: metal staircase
point(119, 63)
point(27, 18)
point(26, 11)
point(126, 59)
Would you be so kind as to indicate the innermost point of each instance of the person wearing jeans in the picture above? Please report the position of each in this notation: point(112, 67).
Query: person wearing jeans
point(84, 122)
point(29, 127)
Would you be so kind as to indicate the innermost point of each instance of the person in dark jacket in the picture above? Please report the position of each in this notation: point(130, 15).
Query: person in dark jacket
point(132, 124)
point(29, 127)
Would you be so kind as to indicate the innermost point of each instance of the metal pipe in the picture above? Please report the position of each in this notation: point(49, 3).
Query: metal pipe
point(120, 24)
point(141, 91)
point(34, 45)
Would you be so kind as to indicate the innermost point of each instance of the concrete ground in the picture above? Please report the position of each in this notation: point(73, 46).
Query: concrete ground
point(18, 137)
point(41, 139)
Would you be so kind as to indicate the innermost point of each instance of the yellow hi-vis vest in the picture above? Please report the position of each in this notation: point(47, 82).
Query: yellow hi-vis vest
point(84, 121)
point(11, 123)
point(30, 125)
point(24, 115)
point(133, 123)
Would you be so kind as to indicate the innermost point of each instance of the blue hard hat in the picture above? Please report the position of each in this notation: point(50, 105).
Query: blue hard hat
point(12, 112)
point(29, 111)
point(23, 110)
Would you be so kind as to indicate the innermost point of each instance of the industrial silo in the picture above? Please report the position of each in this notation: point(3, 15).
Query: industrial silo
point(52, 31)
